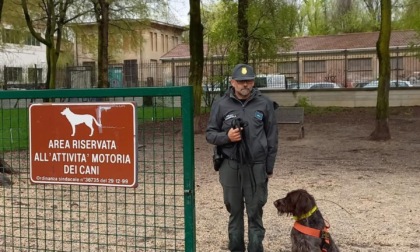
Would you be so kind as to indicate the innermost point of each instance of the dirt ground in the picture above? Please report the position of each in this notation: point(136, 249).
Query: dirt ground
point(368, 191)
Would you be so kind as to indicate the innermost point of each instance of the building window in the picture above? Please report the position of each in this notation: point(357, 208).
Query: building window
point(15, 37)
point(31, 40)
point(356, 65)
point(397, 63)
point(11, 36)
point(156, 42)
point(166, 43)
point(162, 38)
point(151, 41)
point(314, 66)
point(34, 75)
point(13, 74)
point(173, 42)
point(288, 67)
point(130, 70)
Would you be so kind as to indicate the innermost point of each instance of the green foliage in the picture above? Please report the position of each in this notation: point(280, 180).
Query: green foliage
point(314, 17)
point(323, 110)
point(303, 101)
point(409, 16)
point(334, 17)
point(266, 28)
point(352, 21)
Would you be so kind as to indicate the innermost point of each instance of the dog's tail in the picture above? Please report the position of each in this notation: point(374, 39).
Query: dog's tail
point(97, 123)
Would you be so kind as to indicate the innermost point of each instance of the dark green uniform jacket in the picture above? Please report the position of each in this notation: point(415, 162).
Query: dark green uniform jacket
point(261, 132)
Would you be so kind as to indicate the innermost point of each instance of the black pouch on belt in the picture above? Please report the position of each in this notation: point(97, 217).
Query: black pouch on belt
point(217, 158)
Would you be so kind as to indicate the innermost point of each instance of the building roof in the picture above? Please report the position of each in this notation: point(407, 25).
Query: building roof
point(352, 41)
point(152, 22)
point(348, 41)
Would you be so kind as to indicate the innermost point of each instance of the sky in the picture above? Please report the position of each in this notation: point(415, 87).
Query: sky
point(180, 9)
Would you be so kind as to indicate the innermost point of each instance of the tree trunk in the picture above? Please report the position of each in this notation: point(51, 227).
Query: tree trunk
point(5, 181)
point(197, 60)
point(1, 8)
point(52, 67)
point(6, 168)
point(382, 131)
point(103, 27)
point(243, 44)
point(54, 23)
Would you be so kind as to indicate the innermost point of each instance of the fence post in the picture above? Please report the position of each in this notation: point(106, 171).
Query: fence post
point(68, 76)
point(5, 78)
point(345, 69)
point(298, 68)
point(148, 100)
point(398, 67)
point(36, 77)
point(173, 72)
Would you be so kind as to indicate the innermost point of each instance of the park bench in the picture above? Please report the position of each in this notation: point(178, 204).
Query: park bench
point(291, 115)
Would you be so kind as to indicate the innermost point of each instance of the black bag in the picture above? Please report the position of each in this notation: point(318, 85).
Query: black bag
point(217, 158)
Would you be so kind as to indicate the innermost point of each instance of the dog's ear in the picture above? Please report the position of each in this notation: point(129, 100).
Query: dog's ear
point(304, 203)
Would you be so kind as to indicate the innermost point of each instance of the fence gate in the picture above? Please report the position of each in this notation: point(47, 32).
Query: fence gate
point(156, 215)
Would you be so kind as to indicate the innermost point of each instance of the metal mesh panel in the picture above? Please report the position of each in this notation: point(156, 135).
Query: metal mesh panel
point(152, 217)
point(347, 68)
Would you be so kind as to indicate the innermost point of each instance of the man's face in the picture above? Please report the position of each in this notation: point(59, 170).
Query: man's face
point(243, 88)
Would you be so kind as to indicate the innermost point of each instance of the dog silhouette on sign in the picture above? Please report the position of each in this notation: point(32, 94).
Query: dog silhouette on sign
point(76, 119)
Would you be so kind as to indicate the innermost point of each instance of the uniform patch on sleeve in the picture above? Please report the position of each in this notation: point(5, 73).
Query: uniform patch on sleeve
point(259, 115)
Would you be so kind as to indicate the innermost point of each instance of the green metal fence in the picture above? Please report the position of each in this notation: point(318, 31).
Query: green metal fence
point(157, 215)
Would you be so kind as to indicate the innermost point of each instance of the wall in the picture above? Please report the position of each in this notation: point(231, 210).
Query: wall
point(345, 97)
point(18, 55)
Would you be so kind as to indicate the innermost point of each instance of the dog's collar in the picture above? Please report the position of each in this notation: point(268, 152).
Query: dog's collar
point(307, 215)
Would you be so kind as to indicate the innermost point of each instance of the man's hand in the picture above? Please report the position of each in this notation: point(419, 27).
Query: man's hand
point(234, 134)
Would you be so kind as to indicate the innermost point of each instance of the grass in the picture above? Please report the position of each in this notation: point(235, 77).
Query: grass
point(145, 114)
point(14, 129)
point(323, 110)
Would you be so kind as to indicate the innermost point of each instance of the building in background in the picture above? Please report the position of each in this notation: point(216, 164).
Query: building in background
point(135, 48)
point(349, 60)
point(22, 58)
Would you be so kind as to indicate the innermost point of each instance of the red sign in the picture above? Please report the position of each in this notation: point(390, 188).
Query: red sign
point(83, 143)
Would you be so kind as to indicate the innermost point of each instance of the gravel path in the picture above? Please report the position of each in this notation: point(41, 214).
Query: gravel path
point(367, 190)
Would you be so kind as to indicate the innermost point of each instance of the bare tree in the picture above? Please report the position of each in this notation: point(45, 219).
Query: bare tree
point(53, 16)
point(197, 59)
point(101, 10)
point(120, 15)
point(382, 131)
point(373, 9)
point(243, 45)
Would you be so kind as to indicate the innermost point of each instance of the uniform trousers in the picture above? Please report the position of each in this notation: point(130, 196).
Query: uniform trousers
point(244, 187)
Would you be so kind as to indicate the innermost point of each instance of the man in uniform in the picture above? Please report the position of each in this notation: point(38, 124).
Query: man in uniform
point(242, 125)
